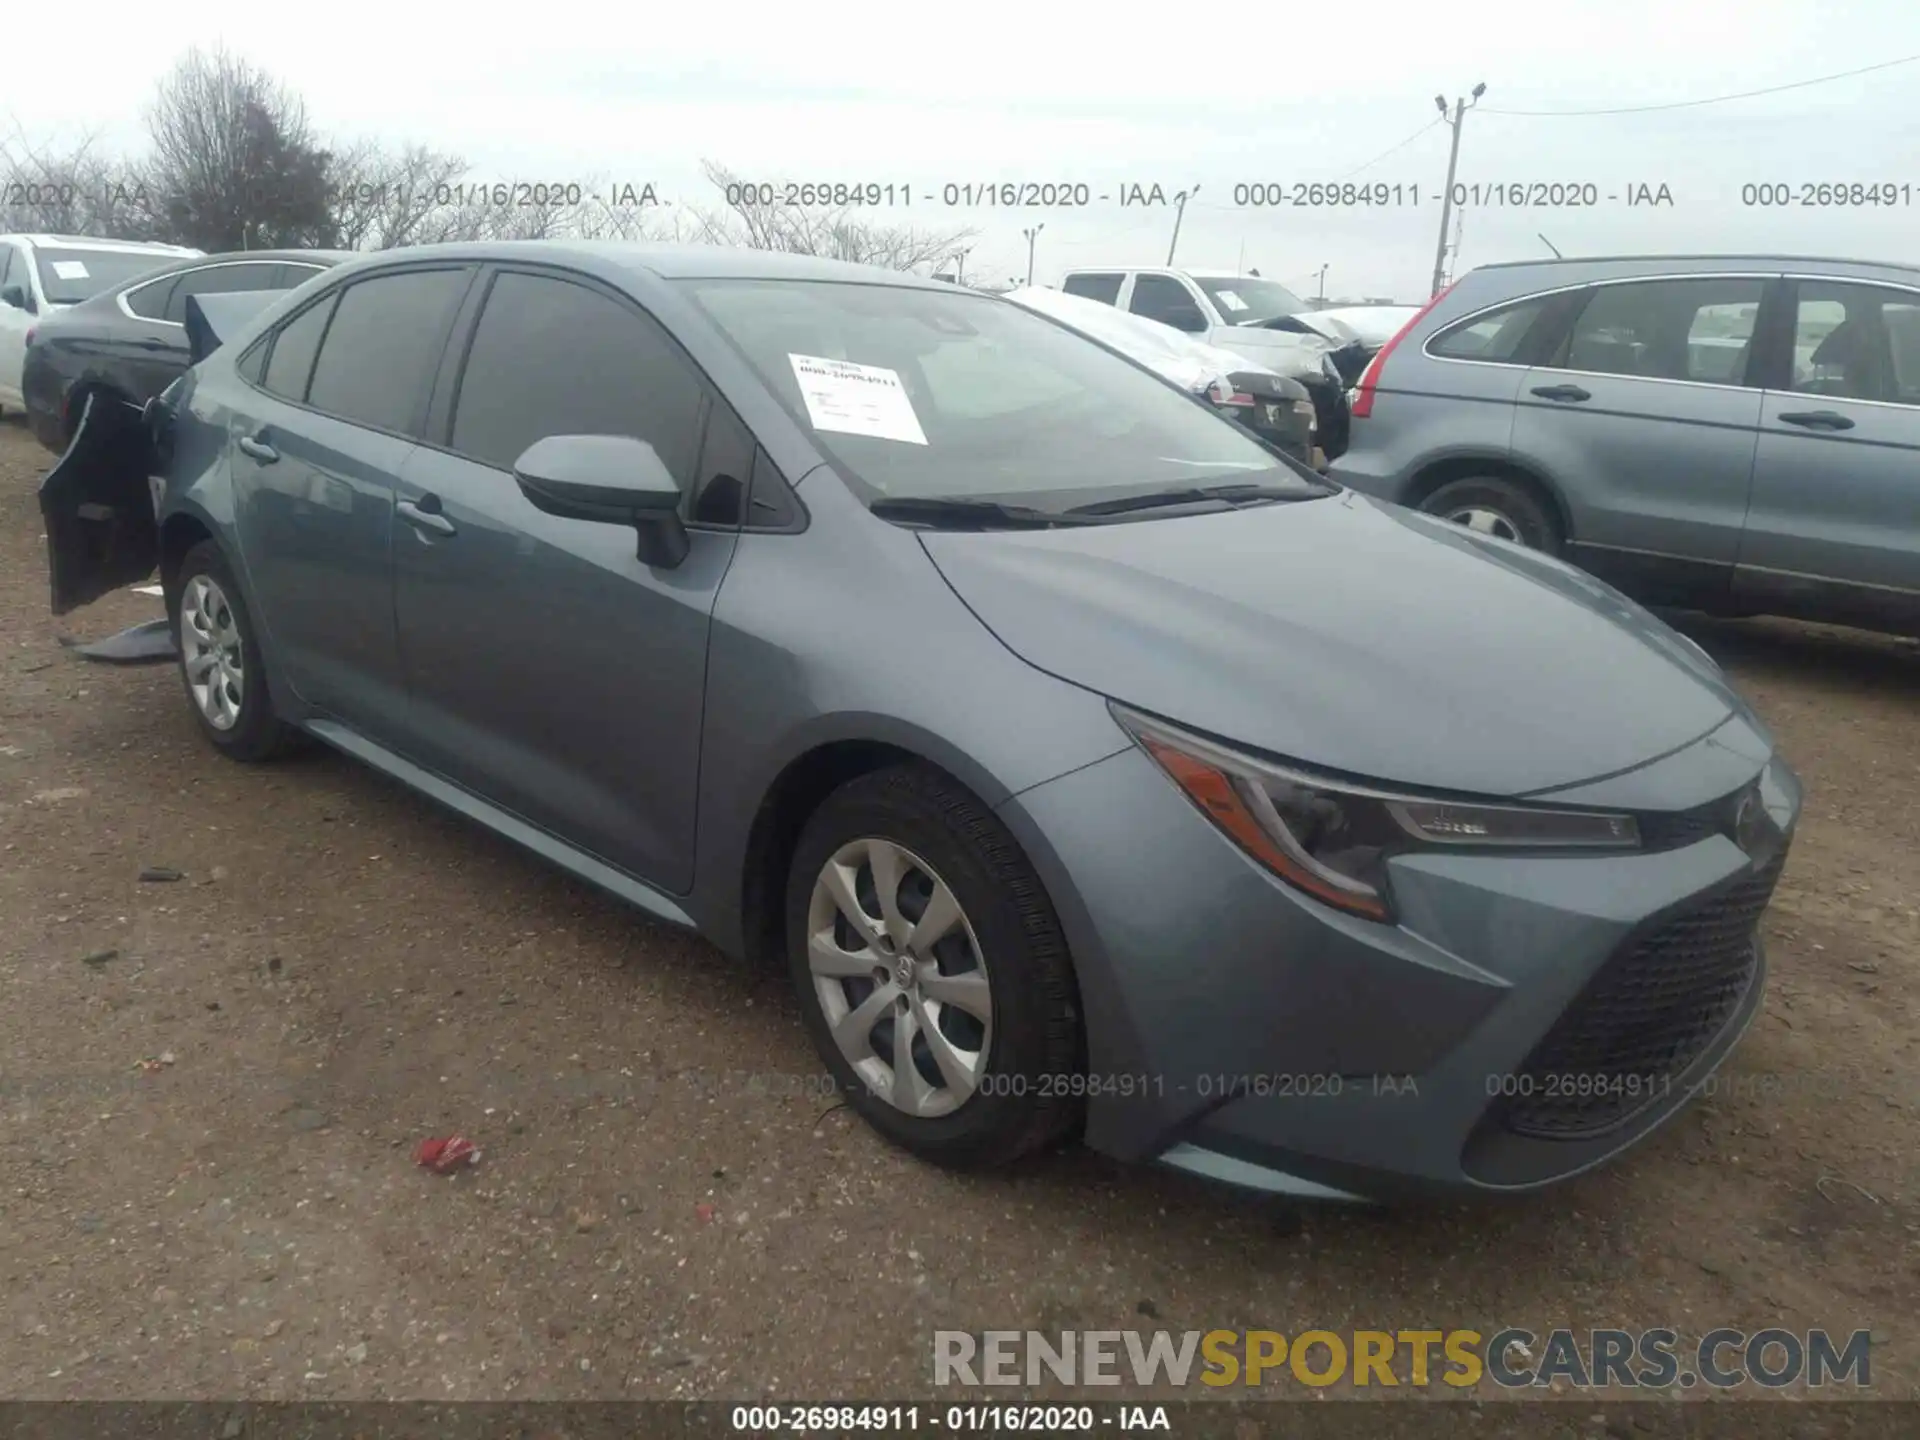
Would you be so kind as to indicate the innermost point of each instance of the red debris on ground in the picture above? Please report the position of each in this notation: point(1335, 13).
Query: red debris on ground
point(447, 1154)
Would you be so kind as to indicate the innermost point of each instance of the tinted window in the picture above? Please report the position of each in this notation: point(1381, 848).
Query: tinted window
point(289, 277)
point(1667, 330)
point(1104, 288)
point(925, 392)
point(290, 365)
point(220, 280)
point(382, 347)
point(726, 469)
point(1163, 298)
point(1857, 342)
point(554, 358)
point(149, 301)
point(1495, 336)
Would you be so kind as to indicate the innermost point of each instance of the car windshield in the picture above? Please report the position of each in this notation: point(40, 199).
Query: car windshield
point(1247, 299)
point(70, 276)
point(916, 394)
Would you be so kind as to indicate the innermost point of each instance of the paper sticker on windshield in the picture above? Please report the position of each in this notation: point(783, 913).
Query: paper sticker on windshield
point(70, 269)
point(856, 399)
point(1230, 300)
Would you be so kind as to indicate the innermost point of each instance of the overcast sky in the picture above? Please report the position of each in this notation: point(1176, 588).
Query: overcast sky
point(1168, 95)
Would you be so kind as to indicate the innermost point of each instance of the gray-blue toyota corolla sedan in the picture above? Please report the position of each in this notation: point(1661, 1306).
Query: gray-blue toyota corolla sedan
point(1096, 771)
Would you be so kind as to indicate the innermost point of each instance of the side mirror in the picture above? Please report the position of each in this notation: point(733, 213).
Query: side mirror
point(14, 295)
point(609, 480)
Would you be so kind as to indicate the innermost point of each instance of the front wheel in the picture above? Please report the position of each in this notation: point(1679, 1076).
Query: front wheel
point(1497, 506)
point(932, 972)
point(220, 666)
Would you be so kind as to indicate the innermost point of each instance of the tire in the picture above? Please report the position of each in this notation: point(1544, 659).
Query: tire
point(1026, 1050)
point(210, 618)
point(1497, 506)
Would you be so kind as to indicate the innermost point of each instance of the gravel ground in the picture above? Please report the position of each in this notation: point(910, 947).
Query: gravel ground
point(210, 1090)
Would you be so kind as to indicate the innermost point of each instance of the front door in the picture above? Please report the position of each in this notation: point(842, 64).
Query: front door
point(1834, 528)
point(550, 670)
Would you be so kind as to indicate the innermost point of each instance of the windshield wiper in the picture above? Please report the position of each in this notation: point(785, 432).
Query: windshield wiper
point(1230, 494)
point(954, 512)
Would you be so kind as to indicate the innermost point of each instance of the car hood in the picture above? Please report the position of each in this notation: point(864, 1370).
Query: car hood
point(1351, 636)
point(1288, 351)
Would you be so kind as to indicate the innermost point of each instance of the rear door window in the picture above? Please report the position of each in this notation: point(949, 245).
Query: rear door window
point(217, 280)
point(1692, 329)
point(553, 357)
point(383, 347)
point(149, 301)
point(290, 364)
point(1104, 287)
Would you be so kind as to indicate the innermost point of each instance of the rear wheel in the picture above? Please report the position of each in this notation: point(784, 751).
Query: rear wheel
point(1494, 505)
point(932, 972)
point(220, 660)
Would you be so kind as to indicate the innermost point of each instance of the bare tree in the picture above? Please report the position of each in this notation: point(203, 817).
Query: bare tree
point(77, 190)
point(234, 161)
point(837, 232)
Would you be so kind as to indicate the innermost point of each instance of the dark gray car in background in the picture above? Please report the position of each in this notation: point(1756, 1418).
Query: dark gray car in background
point(1092, 769)
point(129, 342)
point(1738, 434)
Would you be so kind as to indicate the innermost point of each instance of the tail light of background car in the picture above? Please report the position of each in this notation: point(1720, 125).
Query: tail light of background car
point(1363, 388)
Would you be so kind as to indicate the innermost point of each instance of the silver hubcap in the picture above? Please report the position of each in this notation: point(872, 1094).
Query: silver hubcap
point(1487, 522)
point(210, 651)
point(900, 977)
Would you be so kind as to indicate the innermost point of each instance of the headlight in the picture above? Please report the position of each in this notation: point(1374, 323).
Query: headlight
point(1333, 838)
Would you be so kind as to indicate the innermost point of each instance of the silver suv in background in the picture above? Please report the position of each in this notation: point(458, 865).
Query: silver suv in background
point(1738, 434)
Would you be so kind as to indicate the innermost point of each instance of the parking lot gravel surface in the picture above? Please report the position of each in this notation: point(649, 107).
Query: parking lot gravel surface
point(212, 1086)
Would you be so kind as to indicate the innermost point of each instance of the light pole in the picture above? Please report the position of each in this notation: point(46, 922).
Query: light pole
point(1460, 109)
point(1032, 235)
point(1179, 215)
point(1323, 282)
point(960, 265)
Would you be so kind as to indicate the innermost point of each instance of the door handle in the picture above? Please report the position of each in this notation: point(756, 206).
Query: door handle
point(424, 514)
point(1818, 420)
point(1561, 392)
point(259, 449)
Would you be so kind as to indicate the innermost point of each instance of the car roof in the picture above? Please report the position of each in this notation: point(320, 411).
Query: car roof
point(228, 257)
point(1739, 258)
point(96, 242)
point(676, 262)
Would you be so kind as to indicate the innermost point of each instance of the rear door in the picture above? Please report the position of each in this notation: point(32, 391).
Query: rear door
point(550, 670)
point(1647, 423)
point(317, 448)
point(1834, 526)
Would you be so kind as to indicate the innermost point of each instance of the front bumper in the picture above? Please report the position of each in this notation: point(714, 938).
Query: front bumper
point(1511, 1030)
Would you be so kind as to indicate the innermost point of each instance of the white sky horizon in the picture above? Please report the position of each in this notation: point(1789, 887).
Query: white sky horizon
point(1020, 93)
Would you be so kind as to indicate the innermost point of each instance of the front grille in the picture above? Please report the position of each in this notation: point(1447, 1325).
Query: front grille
point(1645, 1016)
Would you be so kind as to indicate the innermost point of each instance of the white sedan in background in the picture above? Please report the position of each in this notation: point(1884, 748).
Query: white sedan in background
point(40, 274)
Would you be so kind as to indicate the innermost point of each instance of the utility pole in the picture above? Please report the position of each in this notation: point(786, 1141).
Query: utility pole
point(1032, 235)
point(1460, 109)
point(1323, 283)
point(1459, 228)
point(960, 264)
point(1178, 216)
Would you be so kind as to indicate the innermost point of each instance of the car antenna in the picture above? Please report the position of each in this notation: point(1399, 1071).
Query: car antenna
point(1549, 244)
